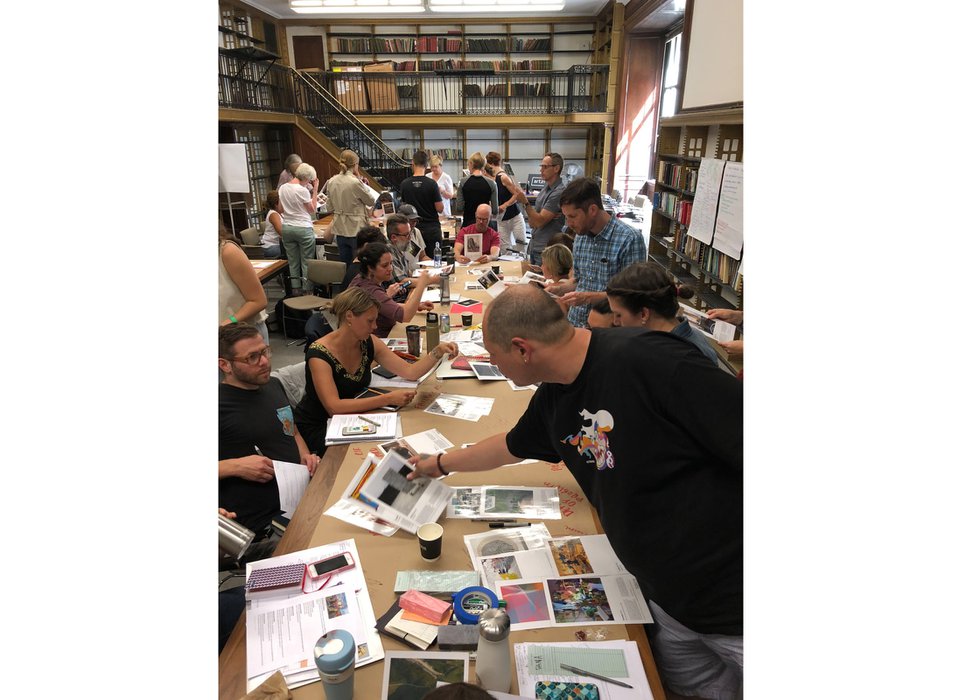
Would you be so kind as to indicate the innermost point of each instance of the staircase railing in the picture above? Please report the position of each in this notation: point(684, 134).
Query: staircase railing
point(338, 124)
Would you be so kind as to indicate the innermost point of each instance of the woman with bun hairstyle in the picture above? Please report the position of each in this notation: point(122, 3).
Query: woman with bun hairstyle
point(642, 295)
point(350, 202)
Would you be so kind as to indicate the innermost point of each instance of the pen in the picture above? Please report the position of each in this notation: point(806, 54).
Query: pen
point(368, 420)
point(258, 451)
point(500, 520)
point(590, 674)
point(494, 526)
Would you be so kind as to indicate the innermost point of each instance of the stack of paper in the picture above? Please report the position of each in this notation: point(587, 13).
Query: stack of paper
point(281, 632)
point(344, 429)
point(382, 486)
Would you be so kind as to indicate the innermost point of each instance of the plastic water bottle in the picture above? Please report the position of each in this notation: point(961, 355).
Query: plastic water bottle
point(493, 649)
point(437, 256)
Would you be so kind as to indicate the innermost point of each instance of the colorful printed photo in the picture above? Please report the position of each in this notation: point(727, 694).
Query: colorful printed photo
point(579, 600)
point(501, 568)
point(570, 557)
point(412, 678)
point(336, 605)
point(526, 602)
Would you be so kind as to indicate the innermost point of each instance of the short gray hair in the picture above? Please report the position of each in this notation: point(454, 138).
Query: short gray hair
point(306, 172)
point(524, 311)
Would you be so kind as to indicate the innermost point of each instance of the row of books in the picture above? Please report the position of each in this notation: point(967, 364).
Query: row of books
point(681, 177)
point(532, 44)
point(486, 44)
point(674, 206)
point(519, 90)
point(711, 261)
point(422, 44)
point(455, 64)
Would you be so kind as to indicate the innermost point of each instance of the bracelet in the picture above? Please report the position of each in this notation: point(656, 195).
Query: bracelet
point(233, 319)
point(439, 465)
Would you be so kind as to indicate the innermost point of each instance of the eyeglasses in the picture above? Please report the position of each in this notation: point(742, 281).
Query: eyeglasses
point(547, 165)
point(254, 358)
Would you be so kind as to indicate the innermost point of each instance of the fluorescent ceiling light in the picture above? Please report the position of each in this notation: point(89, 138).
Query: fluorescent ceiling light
point(355, 6)
point(485, 6)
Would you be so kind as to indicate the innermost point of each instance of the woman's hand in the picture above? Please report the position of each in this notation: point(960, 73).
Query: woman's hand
point(443, 349)
point(400, 397)
point(392, 290)
point(426, 306)
point(425, 279)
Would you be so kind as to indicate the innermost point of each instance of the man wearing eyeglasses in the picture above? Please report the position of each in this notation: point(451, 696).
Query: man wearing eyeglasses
point(545, 216)
point(255, 426)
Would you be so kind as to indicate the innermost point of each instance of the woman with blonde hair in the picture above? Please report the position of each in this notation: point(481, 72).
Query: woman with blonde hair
point(445, 183)
point(350, 202)
point(476, 189)
point(338, 368)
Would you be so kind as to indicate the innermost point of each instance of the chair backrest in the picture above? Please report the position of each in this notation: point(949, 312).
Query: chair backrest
point(254, 252)
point(326, 272)
point(251, 236)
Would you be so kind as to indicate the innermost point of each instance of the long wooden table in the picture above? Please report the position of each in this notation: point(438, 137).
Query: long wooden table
point(267, 271)
point(382, 557)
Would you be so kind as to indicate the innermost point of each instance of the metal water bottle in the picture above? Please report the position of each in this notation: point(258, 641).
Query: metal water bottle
point(444, 288)
point(431, 331)
point(493, 649)
point(334, 658)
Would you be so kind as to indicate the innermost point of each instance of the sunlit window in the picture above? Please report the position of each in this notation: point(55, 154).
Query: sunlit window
point(672, 71)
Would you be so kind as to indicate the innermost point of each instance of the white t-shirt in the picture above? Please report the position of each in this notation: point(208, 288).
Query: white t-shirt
point(269, 235)
point(294, 199)
point(445, 183)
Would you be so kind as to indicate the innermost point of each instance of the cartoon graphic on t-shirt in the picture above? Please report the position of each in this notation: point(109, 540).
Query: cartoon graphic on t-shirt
point(592, 440)
point(286, 418)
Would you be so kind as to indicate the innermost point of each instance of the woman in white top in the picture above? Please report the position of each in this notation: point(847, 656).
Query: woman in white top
point(240, 293)
point(271, 241)
point(350, 202)
point(445, 184)
point(298, 207)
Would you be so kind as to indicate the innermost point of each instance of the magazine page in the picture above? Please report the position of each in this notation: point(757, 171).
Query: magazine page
point(407, 504)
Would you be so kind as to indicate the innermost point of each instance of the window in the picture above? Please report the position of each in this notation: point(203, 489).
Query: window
point(672, 71)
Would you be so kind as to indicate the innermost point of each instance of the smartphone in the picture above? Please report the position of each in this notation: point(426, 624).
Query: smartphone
point(359, 430)
point(331, 565)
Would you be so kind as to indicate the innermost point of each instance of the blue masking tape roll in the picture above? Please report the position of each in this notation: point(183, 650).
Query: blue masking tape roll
point(470, 602)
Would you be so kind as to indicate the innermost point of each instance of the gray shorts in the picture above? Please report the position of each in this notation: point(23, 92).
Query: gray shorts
point(702, 665)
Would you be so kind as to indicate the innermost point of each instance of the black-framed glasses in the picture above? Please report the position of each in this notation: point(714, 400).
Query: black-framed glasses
point(253, 358)
point(548, 165)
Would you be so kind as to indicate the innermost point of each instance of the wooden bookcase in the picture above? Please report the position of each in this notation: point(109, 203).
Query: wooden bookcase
point(682, 142)
point(471, 46)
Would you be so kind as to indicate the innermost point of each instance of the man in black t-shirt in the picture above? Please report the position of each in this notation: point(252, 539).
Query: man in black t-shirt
point(255, 426)
point(652, 432)
point(423, 193)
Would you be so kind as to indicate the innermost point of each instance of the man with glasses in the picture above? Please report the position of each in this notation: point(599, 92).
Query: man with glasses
point(255, 426)
point(403, 263)
point(545, 216)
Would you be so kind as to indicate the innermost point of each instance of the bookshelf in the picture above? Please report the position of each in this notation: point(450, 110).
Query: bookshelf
point(471, 46)
point(682, 142)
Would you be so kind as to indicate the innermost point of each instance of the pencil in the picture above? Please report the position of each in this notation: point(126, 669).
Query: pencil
point(590, 674)
point(368, 420)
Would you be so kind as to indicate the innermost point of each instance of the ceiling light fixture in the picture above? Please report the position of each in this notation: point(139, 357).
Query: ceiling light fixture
point(491, 5)
point(362, 7)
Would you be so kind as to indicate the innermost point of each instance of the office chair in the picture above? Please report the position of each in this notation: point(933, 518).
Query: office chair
point(324, 273)
point(251, 236)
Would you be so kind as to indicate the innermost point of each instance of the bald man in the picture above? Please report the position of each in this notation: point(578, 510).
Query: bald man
point(652, 431)
point(490, 241)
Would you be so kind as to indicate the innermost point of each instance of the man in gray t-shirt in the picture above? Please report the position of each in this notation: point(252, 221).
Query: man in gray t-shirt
point(545, 216)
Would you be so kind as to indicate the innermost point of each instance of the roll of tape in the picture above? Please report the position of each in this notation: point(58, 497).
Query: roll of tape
point(470, 602)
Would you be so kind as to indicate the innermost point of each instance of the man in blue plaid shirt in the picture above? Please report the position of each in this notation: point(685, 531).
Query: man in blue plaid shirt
point(604, 245)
